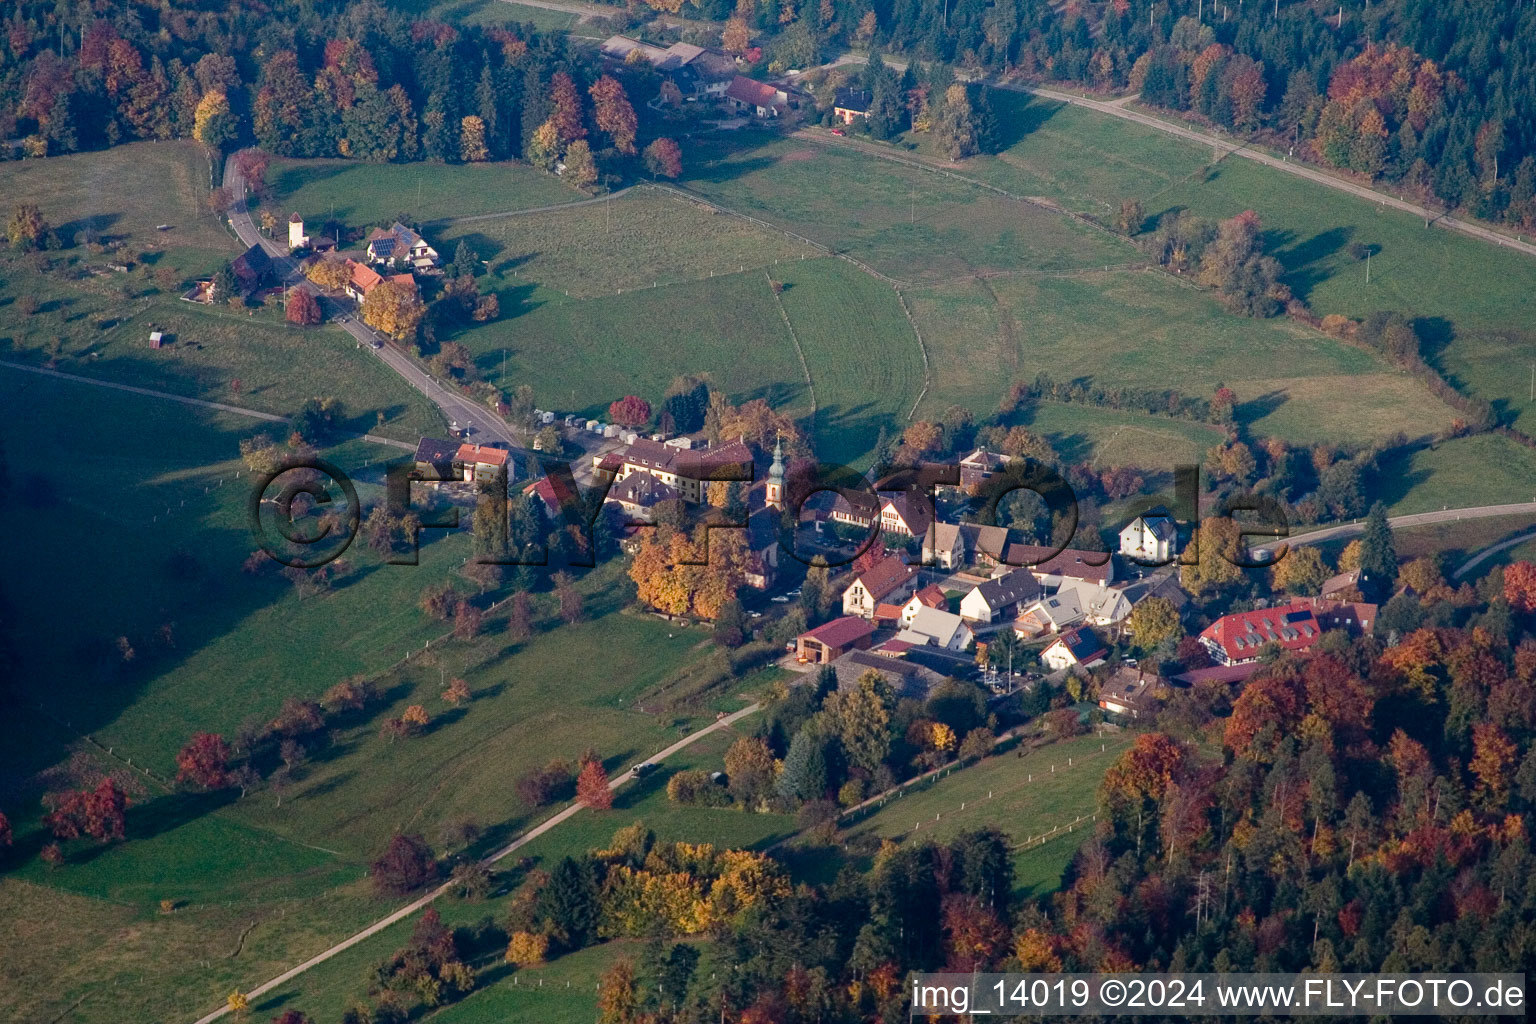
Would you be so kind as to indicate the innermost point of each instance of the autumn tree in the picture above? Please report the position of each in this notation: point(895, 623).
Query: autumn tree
point(527, 949)
point(568, 597)
point(472, 146)
point(406, 865)
point(618, 998)
point(1493, 762)
point(519, 617)
point(5, 834)
point(204, 761)
point(630, 411)
point(214, 125)
point(330, 274)
point(613, 113)
point(750, 770)
point(664, 159)
point(393, 308)
point(100, 813)
point(580, 168)
point(26, 228)
point(1155, 620)
point(565, 117)
point(1132, 217)
point(1520, 586)
point(467, 620)
point(303, 308)
point(1301, 571)
point(592, 786)
point(1217, 541)
point(457, 692)
point(737, 36)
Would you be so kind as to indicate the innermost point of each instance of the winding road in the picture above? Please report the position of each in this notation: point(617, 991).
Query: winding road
point(527, 837)
point(458, 408)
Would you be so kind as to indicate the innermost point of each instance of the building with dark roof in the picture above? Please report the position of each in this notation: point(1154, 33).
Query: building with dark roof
point(851, 104)
point(1052, 567)
point(1076, 648)
point(251, 269)
point(905, 677)
point(999, 599)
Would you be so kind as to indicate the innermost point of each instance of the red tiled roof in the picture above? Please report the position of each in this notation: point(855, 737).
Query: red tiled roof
point(885, 577)
point(887, 611)
point(840, 632)
point(1219, 673)
point(405, 279)
point(481, 455)
point(363, 278)
point(746, 90)
point(1240, 635)
point(932, 596)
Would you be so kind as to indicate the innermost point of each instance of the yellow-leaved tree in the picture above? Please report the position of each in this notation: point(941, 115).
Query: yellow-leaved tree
point(213, 124)
point(393, 308)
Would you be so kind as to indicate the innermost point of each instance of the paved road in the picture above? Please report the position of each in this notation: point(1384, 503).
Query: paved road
point(516, 844)
point(1449, 515)
point(167, 396)
point(457, 407)
point(1491, 550)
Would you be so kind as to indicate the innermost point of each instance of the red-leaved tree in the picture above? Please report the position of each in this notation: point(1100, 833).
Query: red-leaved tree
point(630, 411)
point(406, 865)
point(664, 159)
point(303, 308)
point(204, 761)
point(592, 786)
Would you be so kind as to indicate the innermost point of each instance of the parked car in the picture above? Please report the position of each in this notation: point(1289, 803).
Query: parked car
point(838, 132)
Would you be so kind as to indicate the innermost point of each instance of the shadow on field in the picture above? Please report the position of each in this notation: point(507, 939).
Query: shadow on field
point(1305, 262)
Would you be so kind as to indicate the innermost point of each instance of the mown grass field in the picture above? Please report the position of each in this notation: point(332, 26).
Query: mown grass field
point(580, 355)
point(1483, 470)
point(1146, 330)
point(1107, 438)
point(487, 12)
point(1473, 296)
point(864, 359)
point(358, 194)
point(638, 240)
point(911, 224)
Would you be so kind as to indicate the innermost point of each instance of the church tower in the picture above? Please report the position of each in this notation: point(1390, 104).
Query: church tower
point(773, 495)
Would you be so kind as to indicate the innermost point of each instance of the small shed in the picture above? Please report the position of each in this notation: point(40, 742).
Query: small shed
point(593, 426)
point(156, 339)
point(546, 418)
point(573, 420)
point(611, 430)
point(629, 437)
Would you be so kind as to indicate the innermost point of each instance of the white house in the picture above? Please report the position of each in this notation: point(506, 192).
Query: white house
point(952, 545)
point(1151, 537)
point(889, 582)
point(931, 596)
point(1076, 648)
point(936, 628)
point(1050, 614)
point(1102, 606)
point(999, 599)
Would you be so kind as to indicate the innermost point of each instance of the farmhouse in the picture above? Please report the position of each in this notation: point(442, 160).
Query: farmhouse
point(252, 269)
point(1151, 537)
point(1076, 648)
point(365, 279)
point(936, 628)
point(890, 580)
point(908, 514)
point(830, 641)
point(850, 104)
point(757, 98)
point(999, 600)
point(677, 55)
point(400, 245)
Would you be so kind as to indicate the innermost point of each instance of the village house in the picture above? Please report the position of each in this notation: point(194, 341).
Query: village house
point(889, 581)
point(933, 627)
point(830, 641)
point(638, 494)
point(1069, 565)
point(1131, 692)
point(365, 279)
point(453, 460)
point(850, 104)
point(953, 545)
point(931, 596)
point(756, 98)
point(1079, 647)
point(401, 246)
point(999, 599)
point(978, 467)
point(1050, 614)
point(1152, 537)
point(907, 514)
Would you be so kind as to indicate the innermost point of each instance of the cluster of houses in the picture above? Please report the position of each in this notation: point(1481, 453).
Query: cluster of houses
point(695, 74)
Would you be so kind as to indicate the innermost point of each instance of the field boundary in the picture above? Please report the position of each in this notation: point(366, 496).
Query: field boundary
point(921, 347)
point(805, 367)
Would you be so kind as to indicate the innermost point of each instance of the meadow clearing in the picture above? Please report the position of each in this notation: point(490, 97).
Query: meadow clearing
point(1472, 298)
